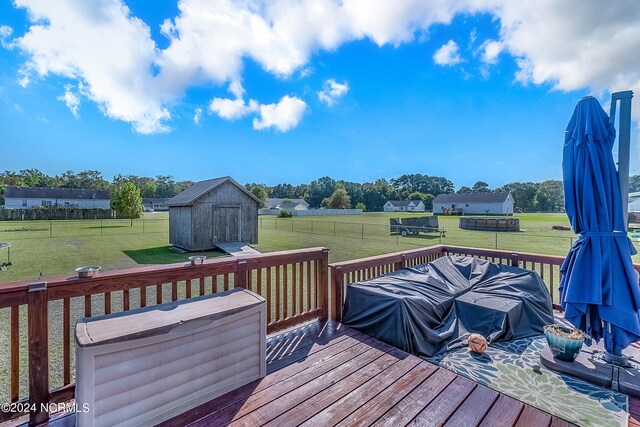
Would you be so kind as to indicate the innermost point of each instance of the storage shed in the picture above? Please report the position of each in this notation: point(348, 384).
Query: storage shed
point(213, 211)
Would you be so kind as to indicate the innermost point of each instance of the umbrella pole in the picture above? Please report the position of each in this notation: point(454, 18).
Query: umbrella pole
point(624, 146)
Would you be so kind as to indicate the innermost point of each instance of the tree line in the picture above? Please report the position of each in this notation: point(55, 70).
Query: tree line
point(544, 196)
point(161, 186)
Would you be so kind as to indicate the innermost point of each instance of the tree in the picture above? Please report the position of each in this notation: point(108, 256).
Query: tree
point(282, 191)
point(166, 186)
point(480, 187)
point(320, 189)
point(149, 189)
point(416, 195)
point(549, 197)
point(524, 195)
point(340, 199)
point(375, 194)
point(260, 191)
point(361, 206)
point(634, 183)
point(407, 184)
point(127, 202)
point(91, 179)
point(464, 190)
point(428, 201)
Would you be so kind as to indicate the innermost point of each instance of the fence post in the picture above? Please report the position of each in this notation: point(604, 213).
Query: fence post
point(337, 300)
point(323, 286)
point(38, 333)
point(101, 227)
point(242, 273)
point(334, 228)
point(362, 225)
point(496, 241)
point(142, 225)
point(50, 229)
point(311, 227)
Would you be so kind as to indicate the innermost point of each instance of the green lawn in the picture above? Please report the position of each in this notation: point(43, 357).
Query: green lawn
point(116, 244)
point(351, 237)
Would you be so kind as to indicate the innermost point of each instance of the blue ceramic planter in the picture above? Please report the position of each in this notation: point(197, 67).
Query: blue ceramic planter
point(566, 349)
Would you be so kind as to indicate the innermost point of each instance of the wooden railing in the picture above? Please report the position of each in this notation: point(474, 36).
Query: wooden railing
point(343, 273)
point(292, 282)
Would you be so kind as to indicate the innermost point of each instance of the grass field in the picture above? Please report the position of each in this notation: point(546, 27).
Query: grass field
point(54, 248)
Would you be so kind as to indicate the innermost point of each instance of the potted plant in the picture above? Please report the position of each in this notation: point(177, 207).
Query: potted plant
point(565, 342)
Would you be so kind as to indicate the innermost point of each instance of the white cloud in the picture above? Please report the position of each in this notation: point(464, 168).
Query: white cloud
point(575, 44)
point(233, 109)
point(197, 116)
point(448, 54)
point(332, 91)
point(5, 33)
point(71, 100)
point(282, 116)
point(572, 44)
point(102, 46)
point(490, 51)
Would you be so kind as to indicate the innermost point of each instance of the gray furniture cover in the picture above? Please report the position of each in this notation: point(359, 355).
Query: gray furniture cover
point(431, 308)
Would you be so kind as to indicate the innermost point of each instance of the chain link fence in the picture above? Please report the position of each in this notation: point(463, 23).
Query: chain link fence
point(515, 241)
point(16, 230)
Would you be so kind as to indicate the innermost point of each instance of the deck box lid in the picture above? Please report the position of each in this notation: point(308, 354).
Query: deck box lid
point(177, 316)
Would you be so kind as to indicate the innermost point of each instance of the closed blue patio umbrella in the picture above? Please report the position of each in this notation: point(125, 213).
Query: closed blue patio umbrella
point(599, 290)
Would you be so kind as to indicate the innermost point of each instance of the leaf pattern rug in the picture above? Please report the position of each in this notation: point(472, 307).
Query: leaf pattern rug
point(508, 368)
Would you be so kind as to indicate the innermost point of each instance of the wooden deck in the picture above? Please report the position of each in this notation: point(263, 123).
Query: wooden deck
point(333, 375)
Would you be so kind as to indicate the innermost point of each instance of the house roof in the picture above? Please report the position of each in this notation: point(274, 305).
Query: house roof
point(488, 197)
point(288, 205)
point(55, 193)
point(160, 200)
point(403, 203)
point(199, 189)
point(273, 201)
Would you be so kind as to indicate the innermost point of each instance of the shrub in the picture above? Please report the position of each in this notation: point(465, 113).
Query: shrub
point(285, 214)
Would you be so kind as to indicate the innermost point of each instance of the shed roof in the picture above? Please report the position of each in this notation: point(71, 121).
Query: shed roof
point(55, 193)
point(488, 197)
point(404, 203)
point(199, 189)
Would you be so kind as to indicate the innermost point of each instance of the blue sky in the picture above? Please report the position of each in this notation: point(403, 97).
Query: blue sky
point(289, 91)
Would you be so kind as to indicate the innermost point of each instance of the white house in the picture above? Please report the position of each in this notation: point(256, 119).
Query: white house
point(28, 197)
point(290, 205)
point(404, 206)
point(490, 203)
point(634, 202)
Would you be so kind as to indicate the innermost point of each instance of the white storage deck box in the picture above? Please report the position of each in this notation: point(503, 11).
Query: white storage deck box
point(145, 366)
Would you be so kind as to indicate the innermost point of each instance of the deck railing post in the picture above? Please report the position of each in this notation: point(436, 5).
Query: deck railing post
point(323, 285)
point(38, 327)
point(242, 279)
point(337, 288)
point(515, 262)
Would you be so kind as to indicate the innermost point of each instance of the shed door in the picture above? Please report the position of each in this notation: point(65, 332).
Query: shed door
point(226, 224)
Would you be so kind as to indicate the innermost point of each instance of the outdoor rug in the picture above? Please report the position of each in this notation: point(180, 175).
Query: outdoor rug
point(507, 367)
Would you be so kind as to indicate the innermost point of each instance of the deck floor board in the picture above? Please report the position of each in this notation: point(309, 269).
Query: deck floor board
point(331, 375)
